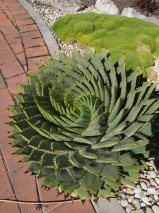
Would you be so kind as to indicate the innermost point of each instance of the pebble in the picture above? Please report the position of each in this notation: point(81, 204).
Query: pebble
point(140, 211)
point(149, 210)
point(130, 199)
point(129, 208)
point(155, 208)
point(152, 174)
point(151, 189)
point(124, 202)
point(156, 197)
point(137, 189)
point(157, 180)
point(145, 199)
point(143, 185)
point(153, 182)
point(130, 191)
point(145, 181)
point(137, 195)
point(143, 204)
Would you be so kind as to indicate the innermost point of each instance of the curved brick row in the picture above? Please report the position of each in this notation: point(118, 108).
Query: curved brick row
point(22, 47)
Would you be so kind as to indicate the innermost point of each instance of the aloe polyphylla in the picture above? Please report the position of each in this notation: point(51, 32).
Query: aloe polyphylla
point(84, 124)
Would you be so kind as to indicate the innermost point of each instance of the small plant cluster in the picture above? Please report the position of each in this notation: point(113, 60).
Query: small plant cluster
point(138, 39)
point(85, 124)
point(149, 6)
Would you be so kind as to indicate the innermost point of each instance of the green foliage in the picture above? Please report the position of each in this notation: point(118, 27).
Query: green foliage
point(124, 34)
point(84, 125)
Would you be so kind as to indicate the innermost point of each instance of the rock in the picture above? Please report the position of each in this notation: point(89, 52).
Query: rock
point(151, 163)
point(123, 195)
point(130, 12)
point(137, 189)
point(67, 5)
point(153, 182)
point(136, 201)
point(155, 208)
point(151, 189)
point(130, 199)
point(152, 174)
point(140, 211)
point(149, 210)
point(107, 6)
point(130, 191)
point(143, 204)
point(145, 181)
point(142, 194)
point(124, 202)
point(145, 199)
point(143, 185)
point(156, 197)
point(129, 208)
point(137, 195)
point(157, 181)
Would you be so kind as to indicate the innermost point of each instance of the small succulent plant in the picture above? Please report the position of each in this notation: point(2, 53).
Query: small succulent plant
point(85, 124)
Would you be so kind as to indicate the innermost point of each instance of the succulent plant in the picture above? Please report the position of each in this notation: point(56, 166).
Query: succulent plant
point(85, 124)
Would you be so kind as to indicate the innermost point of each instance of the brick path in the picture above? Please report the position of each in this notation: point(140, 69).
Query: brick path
point(21, 49)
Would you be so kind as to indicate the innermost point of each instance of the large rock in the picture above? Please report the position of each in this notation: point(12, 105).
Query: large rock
point(69, 5)
point(130, 12)
point(107, 6)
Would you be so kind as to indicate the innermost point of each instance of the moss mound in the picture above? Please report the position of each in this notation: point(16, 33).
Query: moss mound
point(138, 39)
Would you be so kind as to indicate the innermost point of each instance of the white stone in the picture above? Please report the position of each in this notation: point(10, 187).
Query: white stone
point(143, 204)
point(152, 174)
point(155, 208)
point(136, 201)
point(107, 6)
point(143, 185)
point(137, 195)
point(129, 12)
point(123, 195)
point(149, 210)
point(157, 181)
point(156, 197)
point(129, 208)
point(153, 182)
point(137, 189)
point(124, 202)
point(145, 199)
point(151, 189)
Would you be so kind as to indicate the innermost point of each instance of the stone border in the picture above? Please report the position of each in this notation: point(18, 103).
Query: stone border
point(108, 206)
point(47, 35)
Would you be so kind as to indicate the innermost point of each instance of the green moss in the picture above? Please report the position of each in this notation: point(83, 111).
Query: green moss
point(84, 27)
point(138, 39)
point(151, 74)
point(85, 39)
point(145, 39)
point(145, 56)
point(108, 25)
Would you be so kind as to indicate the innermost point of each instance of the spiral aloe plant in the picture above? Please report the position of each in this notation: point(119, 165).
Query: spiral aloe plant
point(84, 124)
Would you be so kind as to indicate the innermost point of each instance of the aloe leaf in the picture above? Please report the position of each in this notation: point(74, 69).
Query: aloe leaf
point(50, 181)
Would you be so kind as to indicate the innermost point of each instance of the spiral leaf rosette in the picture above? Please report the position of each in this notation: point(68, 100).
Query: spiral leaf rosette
point(84, 124)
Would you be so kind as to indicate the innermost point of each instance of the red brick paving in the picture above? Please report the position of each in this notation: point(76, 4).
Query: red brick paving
point(22, 49)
